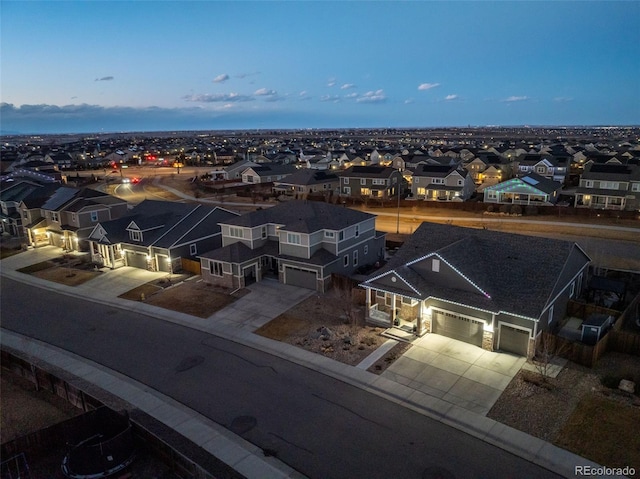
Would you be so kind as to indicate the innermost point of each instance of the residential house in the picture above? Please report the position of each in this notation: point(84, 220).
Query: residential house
point(441, 183)
point(609, 186)
point(232, 172)
point(305, 181)
point(555, 169)
point(491, 289)
point(156, 235)
point(11, 195)
point(267, 173)
point(380, 182)
point(71, 213)
point(487, 170)
point(34, 226)
point(301, 243)
point(531, 189)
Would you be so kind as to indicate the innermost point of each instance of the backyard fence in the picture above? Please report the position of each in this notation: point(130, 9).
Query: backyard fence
point(191, 266)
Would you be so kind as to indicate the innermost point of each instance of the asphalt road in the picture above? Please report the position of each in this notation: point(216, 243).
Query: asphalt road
point(318, 425)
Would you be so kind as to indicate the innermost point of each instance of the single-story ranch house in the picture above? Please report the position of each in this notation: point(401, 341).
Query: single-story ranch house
point(495, 290)
point(301, 243)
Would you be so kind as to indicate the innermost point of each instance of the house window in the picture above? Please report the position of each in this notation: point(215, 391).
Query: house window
point(345, 181)
point(406, 300)
point(355, 258)
point(54, 216)
point(293, 238)
point(588, 183)
point(249, 179)
point(541, 169)
point(366, 249)
point(329, 234)
point(216, 268)
point(264, 232)
point(346, 190)
point(365, 191)
point(235, 232)
point(550, 316)
point(635, 186)
point(346, 260)
point(341, 235)
point(572, 289)
point(435, 265)
point(363, 181)
point(357, 230)
point(135, 235)
point(437, 181)
point(193, 249)
point(492, 195)
point(379, 181)
point(379, 294)
point(459, 182)
point(94, 216)
point(73, 217)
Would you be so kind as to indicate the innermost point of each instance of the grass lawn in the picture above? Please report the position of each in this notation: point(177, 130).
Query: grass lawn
point(603, 430)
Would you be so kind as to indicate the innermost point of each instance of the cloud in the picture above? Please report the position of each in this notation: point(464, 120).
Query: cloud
point(219, 97)
point(221, 78)
point(265, 92)
point(347, 86)
point(351, 95)
point(332, 98)
point(331, 82)
point(304, 95)
point(562, 99)
point(408, 101)
point(377, 96)
point(109, 78)
point(451, 97)
point(428, 86)
point(512, 99)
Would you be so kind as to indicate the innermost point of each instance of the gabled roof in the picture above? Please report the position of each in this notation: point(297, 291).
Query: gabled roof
point(273, 170)
point(438, 171)
point(611, 171)
point(166, 224)
point(369, 171)
point(309, 177)
point(532, 180)
point(302, 216)
point(488, 270)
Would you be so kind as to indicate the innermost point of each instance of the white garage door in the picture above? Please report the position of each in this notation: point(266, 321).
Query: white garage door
point(300, 277)
point(514, 340)
point(458, 327)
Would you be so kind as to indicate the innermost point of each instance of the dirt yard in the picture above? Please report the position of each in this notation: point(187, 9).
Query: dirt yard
point(555, 411)
point(319, 325)
point(63, 270)
point(194, 297)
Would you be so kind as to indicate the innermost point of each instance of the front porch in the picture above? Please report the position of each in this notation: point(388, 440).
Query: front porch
point(401, 313)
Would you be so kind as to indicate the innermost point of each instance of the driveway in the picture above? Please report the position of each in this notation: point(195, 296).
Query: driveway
point(456, 372)
point(266, 300)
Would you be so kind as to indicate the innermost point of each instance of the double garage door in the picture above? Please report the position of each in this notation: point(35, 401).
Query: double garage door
point(300, 277)
point(458, 327)
point(514, 340)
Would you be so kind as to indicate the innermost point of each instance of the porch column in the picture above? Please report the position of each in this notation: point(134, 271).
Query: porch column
point(112, 256)
point(393, 309)
point(419, 320)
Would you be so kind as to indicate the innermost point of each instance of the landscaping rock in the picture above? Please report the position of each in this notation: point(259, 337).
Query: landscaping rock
point(627, 386)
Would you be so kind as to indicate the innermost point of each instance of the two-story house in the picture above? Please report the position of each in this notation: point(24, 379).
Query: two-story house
point(71, 213)
point(531, 189)
point(11, 195)
point(378, 182)
point(494, 290)
point(301, 243)
point(609, 186)
point(156, 235)
point(441, 183)
point(556, 169)
point(306, 181)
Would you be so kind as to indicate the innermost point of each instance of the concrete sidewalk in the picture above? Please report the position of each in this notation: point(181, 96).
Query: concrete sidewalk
point(220, 324)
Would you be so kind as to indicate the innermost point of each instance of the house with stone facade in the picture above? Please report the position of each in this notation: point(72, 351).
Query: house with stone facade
point(301, 243)
point(494, 290)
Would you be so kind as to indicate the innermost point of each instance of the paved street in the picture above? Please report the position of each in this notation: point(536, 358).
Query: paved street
point(321, 426)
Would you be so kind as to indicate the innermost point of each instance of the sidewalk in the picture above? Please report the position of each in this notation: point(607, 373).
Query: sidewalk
point(523, 445)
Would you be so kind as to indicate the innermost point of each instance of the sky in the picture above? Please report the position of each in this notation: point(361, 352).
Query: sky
point(93, 66)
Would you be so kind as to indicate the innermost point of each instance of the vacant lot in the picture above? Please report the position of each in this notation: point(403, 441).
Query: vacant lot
point(193, 297)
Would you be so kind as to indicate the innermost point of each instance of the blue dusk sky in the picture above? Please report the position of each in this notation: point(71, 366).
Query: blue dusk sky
point(92, 66)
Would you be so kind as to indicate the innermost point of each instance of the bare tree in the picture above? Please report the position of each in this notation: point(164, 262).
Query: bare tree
point(345, 301)
point(548, 350)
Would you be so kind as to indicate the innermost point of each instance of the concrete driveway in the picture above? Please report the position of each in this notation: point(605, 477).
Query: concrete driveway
point(266, 300)
point(456, 372)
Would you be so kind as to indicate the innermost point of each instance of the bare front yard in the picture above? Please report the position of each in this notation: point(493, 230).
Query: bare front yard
point(63, 270)
point(581, 410)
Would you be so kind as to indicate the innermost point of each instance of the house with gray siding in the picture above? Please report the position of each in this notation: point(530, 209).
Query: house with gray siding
point(495, 290)
point(441, 183)
point(157, 235)
point(301, 243)
point(306, 181)
point(378, 182)
point(609, 186)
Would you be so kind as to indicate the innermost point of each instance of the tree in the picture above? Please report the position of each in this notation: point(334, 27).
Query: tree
point(345, 301)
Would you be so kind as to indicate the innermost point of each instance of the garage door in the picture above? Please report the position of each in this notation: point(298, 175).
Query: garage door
point(163, 263)
point(458, 327)
point(136, 260)
point(514, 340)
point(300, 277)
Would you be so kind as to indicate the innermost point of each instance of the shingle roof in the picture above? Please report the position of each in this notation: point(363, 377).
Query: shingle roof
point(303, 216)
point(368, 171)
point(308, 177)
point(518, 273)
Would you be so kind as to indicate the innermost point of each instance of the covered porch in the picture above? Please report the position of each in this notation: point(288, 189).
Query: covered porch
point(392, 310)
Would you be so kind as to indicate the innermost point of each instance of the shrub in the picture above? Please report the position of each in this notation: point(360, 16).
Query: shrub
point(516, 210)
point(490, 209)
point(505, 209)
point(531, 210)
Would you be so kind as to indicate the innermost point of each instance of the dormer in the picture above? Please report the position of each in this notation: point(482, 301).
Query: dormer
point(135, 234)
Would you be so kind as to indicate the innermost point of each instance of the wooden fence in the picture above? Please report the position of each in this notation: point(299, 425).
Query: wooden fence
point(191, 266)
